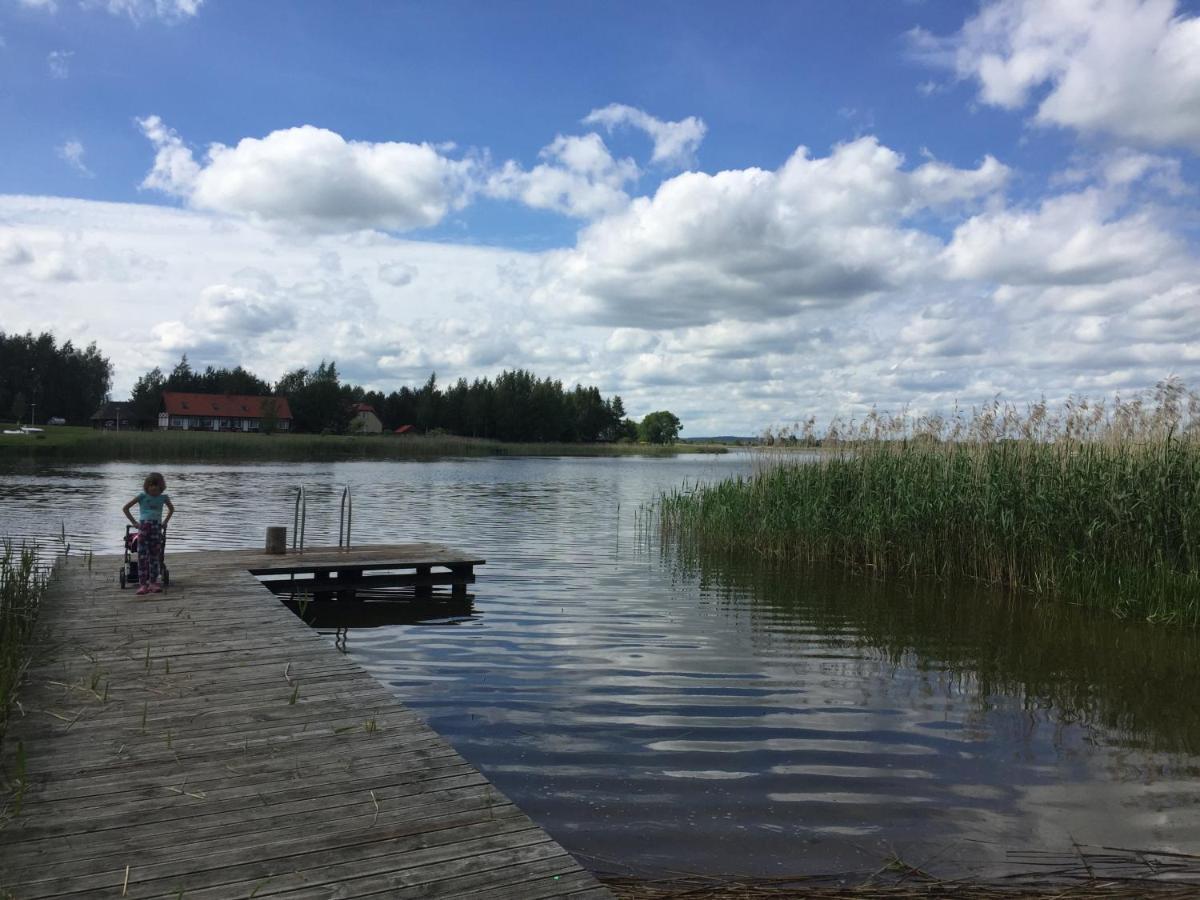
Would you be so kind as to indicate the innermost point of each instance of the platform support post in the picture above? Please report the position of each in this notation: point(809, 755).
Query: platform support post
point(459, 587)
point(426, 589)
point(276, 539)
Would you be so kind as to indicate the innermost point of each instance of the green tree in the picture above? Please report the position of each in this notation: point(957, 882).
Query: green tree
point(182, 378)
point(427, 405)
point(316, 398)
point(268, 423)
point(18, 407)
point(60, 380)
point(146, 398)
point(660, 427)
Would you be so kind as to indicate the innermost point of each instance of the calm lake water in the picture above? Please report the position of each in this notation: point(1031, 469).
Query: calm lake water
point(659, 713)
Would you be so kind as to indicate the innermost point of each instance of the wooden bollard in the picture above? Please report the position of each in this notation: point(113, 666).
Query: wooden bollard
point(276, 539)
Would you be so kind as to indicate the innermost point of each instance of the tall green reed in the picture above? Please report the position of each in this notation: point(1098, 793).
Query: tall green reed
point(23, 580)
point(1095, 504)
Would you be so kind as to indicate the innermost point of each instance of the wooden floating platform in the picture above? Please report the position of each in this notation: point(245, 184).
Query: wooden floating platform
point(343, 573)
point(205, 743)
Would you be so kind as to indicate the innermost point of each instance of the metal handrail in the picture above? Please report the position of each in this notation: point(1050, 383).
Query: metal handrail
point(299, 517)
point(346, 517)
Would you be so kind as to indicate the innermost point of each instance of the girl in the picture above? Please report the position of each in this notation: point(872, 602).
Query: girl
point(150, 529)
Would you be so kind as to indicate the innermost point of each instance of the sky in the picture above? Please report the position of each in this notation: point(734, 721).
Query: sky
point(747, 214)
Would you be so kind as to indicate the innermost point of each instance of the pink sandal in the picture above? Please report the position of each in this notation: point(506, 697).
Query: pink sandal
point(144, 589)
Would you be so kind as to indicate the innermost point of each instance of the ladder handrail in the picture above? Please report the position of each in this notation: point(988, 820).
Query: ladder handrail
point(346, 517)
point(299, 517)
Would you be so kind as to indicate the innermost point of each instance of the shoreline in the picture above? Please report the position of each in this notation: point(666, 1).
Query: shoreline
point(80, 444)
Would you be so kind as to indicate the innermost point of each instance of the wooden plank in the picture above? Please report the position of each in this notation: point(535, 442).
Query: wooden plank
point(244, 754)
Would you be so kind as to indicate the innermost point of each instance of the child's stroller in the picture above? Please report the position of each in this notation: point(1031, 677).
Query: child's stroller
point(129, 569)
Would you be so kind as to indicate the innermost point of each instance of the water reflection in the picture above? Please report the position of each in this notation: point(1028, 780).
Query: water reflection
point(697, 714)
point(1119, 681)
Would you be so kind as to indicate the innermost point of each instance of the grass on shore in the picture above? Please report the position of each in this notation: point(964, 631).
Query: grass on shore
point(73, 443)
point(22, 583)
point(1097, 506)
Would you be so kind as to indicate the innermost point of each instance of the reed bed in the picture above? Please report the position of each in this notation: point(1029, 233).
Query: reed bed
point(1096, 504)
point(23, 581)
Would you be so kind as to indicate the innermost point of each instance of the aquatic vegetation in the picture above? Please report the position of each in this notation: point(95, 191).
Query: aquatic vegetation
point(1096, 504)
point(23, 581)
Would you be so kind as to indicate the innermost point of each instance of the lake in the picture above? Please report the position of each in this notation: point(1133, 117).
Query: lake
point(659, 712)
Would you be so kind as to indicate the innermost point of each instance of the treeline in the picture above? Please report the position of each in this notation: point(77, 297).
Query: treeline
point(514, 406)
point(41, 379)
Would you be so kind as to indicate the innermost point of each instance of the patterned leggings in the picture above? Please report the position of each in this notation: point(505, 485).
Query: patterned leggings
point(149, 551)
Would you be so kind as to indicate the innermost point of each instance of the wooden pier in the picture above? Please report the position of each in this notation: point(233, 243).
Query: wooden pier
point(205, 743)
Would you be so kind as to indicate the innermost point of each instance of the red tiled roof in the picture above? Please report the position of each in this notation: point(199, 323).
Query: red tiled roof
point(363, 407)
point(403, 429)
point(225, 406)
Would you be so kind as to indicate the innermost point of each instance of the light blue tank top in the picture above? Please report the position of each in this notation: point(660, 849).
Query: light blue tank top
point(150, 508)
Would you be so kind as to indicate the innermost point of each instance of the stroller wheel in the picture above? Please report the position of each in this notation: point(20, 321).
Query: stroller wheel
point(166, 577)
point(122, 576)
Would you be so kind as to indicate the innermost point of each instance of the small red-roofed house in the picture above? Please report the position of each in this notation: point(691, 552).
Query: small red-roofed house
point(222, 412)
point(364, 420)
point(404, 429)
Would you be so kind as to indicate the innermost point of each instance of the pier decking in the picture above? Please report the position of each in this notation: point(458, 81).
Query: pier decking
point(205, 743)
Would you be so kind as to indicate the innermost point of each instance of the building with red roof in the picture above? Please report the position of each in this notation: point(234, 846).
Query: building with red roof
point(365, 420)
point(222, 412)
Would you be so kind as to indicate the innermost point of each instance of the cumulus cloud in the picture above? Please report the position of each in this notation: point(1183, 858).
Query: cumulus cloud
point(675, 143)
point(235, 310)
point(579, 177)
point(1071, 239)
point(71, 152)
point(750, 243)
point(312, 178)
point(49, 6)
point(946, 329)
point(54, 266)
point(1129, 68)
point(59, 63)
point(175, 170)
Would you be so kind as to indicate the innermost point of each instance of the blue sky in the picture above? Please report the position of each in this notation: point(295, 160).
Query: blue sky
point(864, 278)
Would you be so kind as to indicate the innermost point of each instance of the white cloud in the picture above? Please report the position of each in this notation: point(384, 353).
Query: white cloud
point(1130, 68)
point(59, 62)
point(397, 274)
point(236, 310)
point(139, 11)
point(312, 179)
point(71, 152)
point(1071, 239)
point(750, 243)
point(13, 252)
point(675, 143)
point(945, 330)
point(737, 299)
point(579, 178)
point(175, 170)
point(228, 292)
